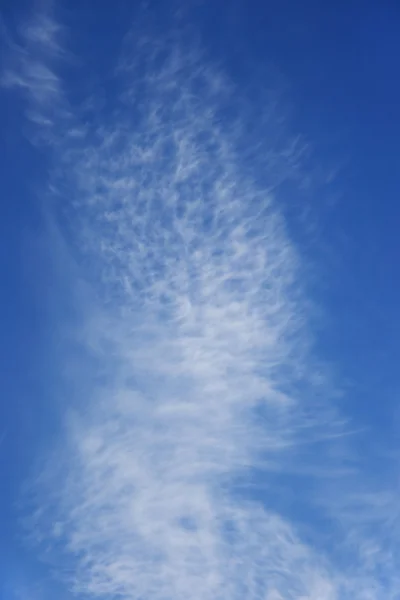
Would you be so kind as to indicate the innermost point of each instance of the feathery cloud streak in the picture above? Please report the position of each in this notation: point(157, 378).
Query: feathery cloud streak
point(198, 335)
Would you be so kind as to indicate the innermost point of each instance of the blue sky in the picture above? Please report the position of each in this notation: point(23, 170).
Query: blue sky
point(199, 300)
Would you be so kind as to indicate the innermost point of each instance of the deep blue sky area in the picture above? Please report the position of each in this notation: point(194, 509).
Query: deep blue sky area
point(339, 63)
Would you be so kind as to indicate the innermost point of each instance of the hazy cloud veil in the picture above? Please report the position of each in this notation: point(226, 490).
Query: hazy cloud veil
point(194, 332)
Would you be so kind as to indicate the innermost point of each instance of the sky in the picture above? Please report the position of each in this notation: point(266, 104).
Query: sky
point(199, 292)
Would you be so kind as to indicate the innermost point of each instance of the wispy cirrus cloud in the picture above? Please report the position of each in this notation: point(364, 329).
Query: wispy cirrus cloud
point(30, 58)
point(196, 342)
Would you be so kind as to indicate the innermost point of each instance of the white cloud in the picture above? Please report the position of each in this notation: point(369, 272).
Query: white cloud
point(30, 59)
point(198, 335)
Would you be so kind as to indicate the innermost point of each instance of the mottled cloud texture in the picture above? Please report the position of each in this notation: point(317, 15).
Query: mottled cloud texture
point(198, 402)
